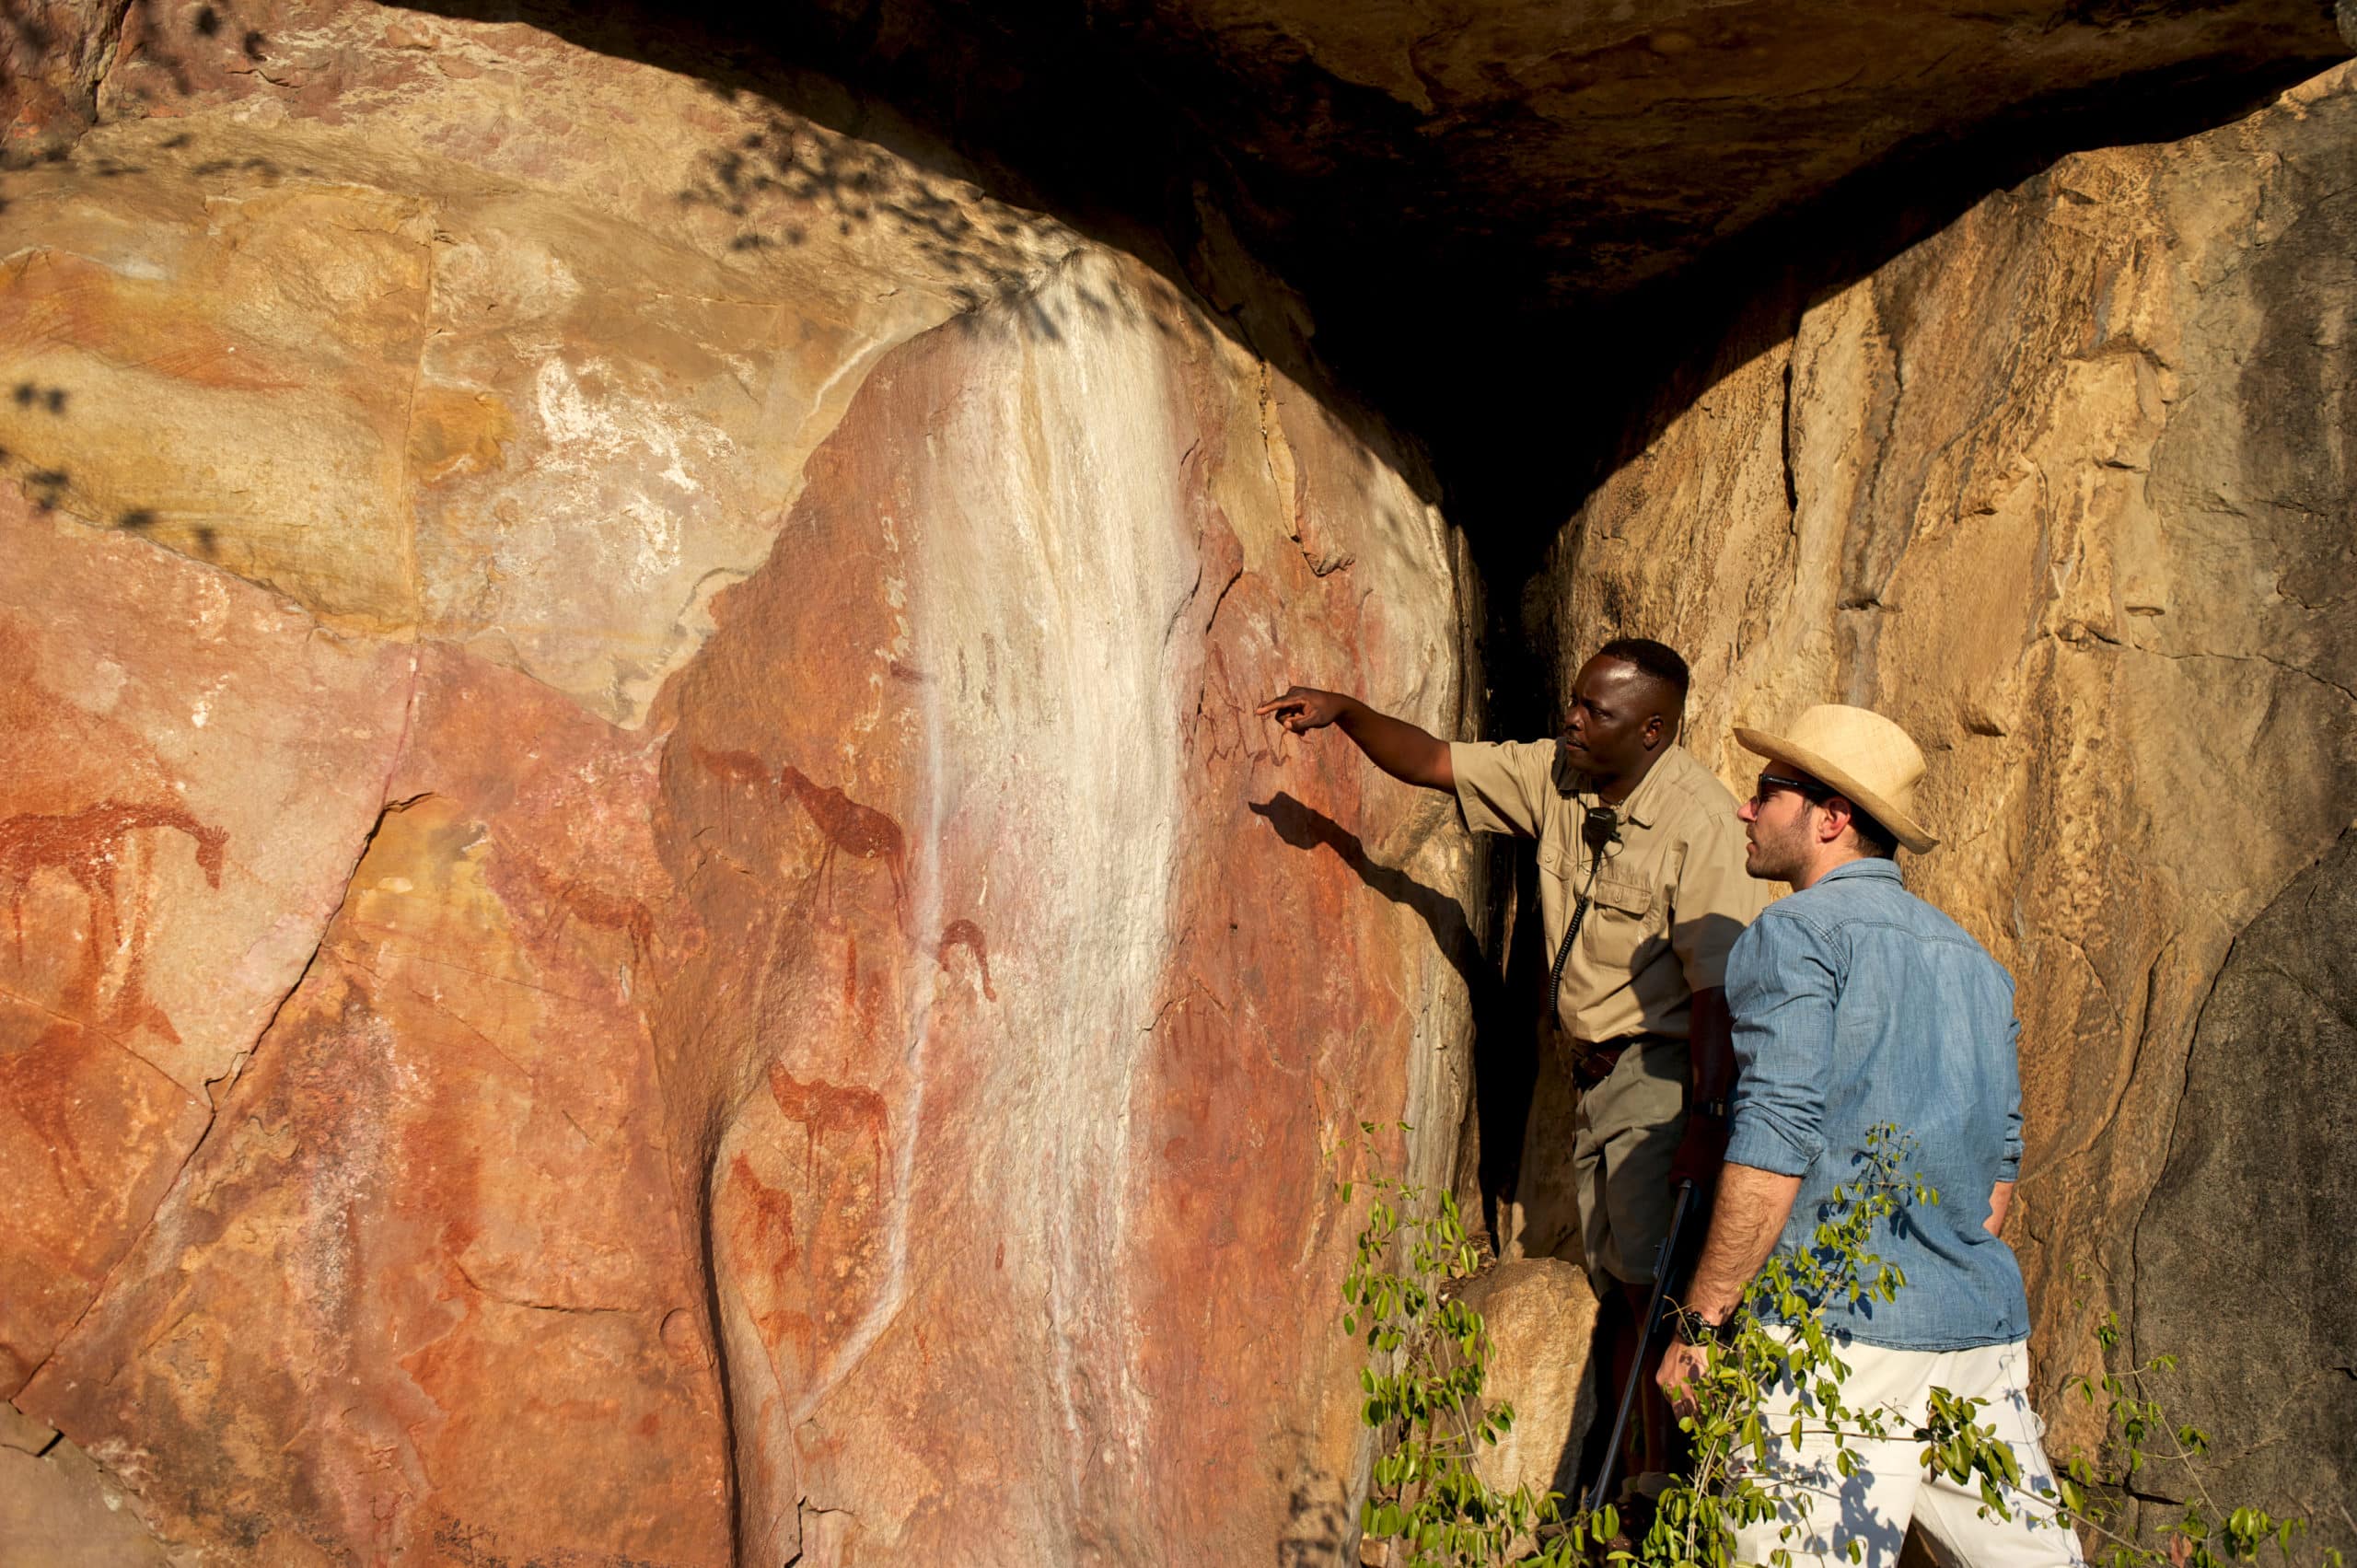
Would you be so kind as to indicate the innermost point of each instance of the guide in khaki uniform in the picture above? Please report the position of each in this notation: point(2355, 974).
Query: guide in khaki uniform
point(1642, 892)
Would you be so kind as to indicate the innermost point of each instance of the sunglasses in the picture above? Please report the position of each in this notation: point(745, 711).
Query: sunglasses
point(1807, 789)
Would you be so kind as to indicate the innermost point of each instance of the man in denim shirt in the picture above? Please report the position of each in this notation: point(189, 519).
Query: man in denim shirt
point(1858, 1005)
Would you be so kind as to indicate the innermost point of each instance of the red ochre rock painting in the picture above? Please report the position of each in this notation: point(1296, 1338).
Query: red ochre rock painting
point(87, 1108)
point(825, 1111)
point(634, 1147)
point(966, 934)
point(845, 825)
point(574, 898)
point(848, 826)
point(429, 1270)
point(89, 848)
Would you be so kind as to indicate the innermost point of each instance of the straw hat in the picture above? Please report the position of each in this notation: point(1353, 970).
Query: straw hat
point(1860, 755)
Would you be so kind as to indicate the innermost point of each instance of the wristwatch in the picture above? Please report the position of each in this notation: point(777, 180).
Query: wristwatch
point(1688, 1327)
point(1714, 1108)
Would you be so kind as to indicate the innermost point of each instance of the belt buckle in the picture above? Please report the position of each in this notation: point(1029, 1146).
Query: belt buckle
point(1593, 1063)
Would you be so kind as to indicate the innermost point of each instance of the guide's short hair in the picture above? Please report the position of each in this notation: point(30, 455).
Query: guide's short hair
point(1657, 660)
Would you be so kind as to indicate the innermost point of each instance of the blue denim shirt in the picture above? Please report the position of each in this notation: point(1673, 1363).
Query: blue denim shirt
point(1856, 1003)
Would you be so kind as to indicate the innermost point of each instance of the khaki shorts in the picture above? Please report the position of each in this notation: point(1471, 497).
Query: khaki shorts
point(1624, 1136)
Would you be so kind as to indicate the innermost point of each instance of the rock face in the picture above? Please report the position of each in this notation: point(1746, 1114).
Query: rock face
point(2066, 491)
point(1567, 132)
point(1445, 179)
point(59, 1510)
point(2266, 1179)
point(647, 921)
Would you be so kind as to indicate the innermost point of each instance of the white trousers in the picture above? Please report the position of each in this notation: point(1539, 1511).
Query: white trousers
point(1875, 1506)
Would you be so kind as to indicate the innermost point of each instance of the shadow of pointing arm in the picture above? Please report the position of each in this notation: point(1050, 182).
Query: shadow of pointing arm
point(1305, 829)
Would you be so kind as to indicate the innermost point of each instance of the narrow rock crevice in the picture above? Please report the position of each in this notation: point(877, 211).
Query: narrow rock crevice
point(217, 1091)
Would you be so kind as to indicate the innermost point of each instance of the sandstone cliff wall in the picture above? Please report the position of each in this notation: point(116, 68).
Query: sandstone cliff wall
point(646, 920)
point(2067, 491)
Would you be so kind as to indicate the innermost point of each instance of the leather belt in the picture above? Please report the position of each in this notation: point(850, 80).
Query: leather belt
point(1591, 1064)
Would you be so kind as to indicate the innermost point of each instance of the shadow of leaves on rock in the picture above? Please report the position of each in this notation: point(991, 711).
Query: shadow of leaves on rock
point(174, 43)
point(788, 181)
point(50, 487)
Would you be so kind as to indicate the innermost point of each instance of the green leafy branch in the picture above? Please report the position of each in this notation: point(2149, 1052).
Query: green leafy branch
point(1428, 1358)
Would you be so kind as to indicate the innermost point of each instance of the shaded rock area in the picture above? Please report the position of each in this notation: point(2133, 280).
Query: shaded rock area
point(2067, 489)
point(2254, 1208)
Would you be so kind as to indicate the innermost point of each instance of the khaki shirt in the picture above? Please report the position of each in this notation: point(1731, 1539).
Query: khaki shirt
point(1669, 898)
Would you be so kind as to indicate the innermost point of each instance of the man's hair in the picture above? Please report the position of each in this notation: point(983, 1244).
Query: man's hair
point(1657, 661)
point(1877, 841)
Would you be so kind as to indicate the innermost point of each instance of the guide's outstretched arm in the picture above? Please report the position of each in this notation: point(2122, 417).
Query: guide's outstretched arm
point(1398, 748)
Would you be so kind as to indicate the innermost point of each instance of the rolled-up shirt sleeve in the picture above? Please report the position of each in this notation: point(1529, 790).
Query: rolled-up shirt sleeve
point(1782, 981)
point(2009, 1167)
point(1501, 785)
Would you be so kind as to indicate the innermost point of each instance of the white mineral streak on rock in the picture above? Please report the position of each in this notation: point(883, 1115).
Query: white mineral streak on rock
point(1060, 552)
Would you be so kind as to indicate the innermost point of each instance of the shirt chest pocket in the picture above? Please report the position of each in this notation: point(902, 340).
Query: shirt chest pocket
point(1619, 920)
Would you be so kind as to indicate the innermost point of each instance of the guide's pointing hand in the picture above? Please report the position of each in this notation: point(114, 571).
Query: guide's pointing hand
point(1303, 708)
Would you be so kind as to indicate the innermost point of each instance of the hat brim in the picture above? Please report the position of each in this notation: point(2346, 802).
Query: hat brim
point(1902, 824)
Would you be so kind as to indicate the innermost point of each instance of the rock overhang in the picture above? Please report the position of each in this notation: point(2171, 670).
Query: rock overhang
point(1458, 188)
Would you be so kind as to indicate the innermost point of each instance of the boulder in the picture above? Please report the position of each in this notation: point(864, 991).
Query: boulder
point(1541, 1313)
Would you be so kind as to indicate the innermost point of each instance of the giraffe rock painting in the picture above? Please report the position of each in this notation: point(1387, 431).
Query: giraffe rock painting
point(91, 849)
point(849, 828)
point(159, 895)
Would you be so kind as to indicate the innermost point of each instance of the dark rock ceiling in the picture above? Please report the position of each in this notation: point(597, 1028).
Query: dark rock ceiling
point(1500, 213)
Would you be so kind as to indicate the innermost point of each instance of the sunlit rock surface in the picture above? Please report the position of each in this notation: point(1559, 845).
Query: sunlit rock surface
point(648, 920)
point(1540, 1313)
point(2066, 490)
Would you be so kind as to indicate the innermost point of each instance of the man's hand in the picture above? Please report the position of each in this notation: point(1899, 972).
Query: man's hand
point(1398, 748)
point(1700, 1154)
point(1303, 708)
point(1681, 1364)
point(2001, 1199)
